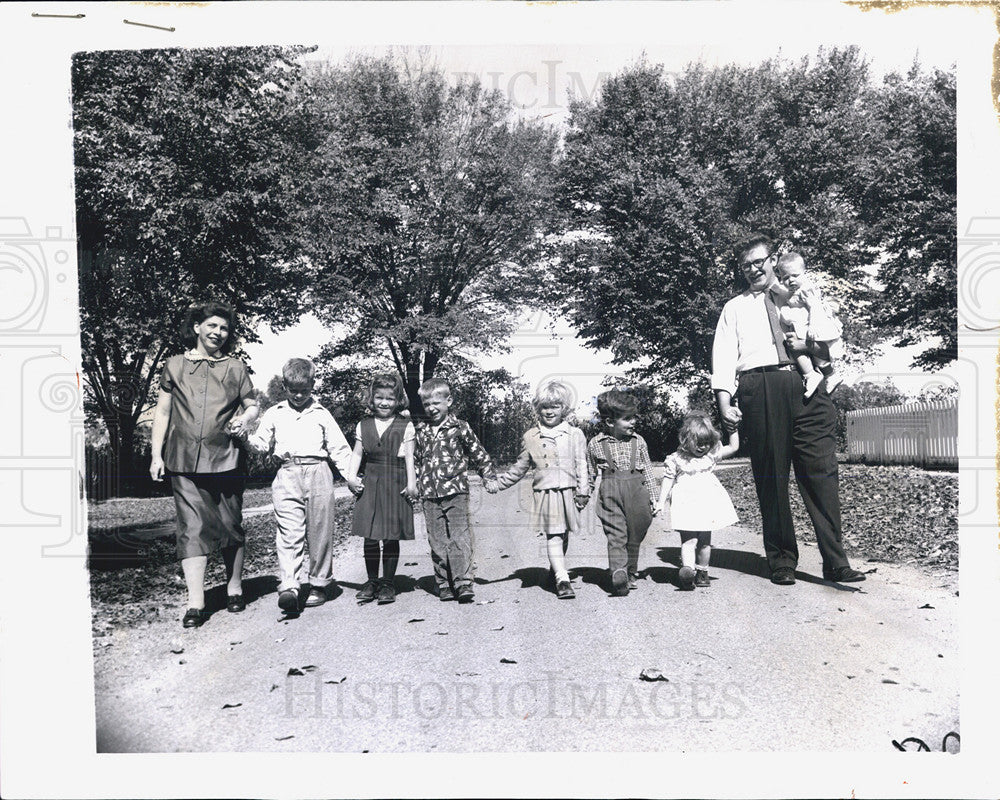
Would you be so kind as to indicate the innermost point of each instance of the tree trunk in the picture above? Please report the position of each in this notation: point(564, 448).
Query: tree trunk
point(411, 380)
point(121, 477)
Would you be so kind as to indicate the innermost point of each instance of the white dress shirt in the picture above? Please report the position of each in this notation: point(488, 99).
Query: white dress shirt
point(743, 340)
point(311, 431)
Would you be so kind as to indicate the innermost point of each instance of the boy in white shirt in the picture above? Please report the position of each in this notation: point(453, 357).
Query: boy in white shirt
point(304, 437)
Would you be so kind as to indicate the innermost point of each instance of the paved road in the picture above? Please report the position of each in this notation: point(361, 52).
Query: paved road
point(748, 665)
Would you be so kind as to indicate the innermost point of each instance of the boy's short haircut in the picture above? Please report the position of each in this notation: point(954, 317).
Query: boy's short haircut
point(787, 259)
point(614, 405)
point(298, 371)
point(432, 385)
point(391, 381)
point(553, 393)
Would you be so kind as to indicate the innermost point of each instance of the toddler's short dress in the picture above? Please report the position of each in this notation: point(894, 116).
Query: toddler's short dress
point(698, 501)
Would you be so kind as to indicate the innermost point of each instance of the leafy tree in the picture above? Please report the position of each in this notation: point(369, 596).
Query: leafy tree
point(425, 215)
point(661, 177)
point(184, 164)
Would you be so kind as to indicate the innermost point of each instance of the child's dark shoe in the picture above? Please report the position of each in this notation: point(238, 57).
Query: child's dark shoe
point(701, 578)
point(465, 593)
point(317, 596)
point(386, 593)
point(288, 601)
point(194, 618)
point(367, 592)
point(686, 577)
point(445, 593)
point(564, 591)
point(235, 603)
point(633, 579)
point(619, 583)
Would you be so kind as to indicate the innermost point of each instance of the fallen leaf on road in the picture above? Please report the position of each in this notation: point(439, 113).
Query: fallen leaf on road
point(236, 643)
point(849, 677)
point(410, 564)
point(889, 680)
point(497, 629)
point(301, 670)
point(927, 605)
point(232, 705)
point(280, 640)
point(653, 675)
point(416, 619)
point(507, 661)
point(182, 661)
point(340, 681)
point(940, 656)
point(840, 609)
point(273, 686)
point(441, 633)
point(283, 738)
point(870, 571)
point(505, 556)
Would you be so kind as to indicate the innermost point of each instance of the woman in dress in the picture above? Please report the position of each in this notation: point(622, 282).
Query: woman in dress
point(205, 399)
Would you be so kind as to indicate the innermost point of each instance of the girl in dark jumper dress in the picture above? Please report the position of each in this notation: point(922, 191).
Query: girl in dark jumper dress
point(386, 486)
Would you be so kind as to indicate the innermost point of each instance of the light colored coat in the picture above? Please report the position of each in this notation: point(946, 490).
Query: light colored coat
point(558, 455)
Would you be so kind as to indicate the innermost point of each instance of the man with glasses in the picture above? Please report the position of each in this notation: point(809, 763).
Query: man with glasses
point(758, 388)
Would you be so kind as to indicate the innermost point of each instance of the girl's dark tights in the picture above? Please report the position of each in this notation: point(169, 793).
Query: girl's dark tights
point(390, 558)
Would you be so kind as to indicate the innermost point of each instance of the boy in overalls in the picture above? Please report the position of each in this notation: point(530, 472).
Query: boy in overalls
point(627, 497)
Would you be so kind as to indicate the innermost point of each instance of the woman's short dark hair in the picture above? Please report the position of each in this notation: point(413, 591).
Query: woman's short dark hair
point(199, 312)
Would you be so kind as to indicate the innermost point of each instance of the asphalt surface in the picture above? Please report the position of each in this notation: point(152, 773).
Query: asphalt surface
point(743, 664)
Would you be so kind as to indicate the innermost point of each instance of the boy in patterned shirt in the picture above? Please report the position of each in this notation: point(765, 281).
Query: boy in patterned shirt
point(627, 500)
point(444, 449)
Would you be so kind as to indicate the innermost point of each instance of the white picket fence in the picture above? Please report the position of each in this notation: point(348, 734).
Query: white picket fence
point(924, 434)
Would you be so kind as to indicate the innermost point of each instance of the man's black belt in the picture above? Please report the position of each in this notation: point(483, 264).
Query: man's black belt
point(768, 368)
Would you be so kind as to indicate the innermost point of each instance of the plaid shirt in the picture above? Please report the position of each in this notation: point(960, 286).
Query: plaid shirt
point(442, 457)
point(621, 454)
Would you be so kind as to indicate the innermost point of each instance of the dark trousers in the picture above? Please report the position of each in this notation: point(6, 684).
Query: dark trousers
point(780, 428)
point(623, 508)
point(450, 535)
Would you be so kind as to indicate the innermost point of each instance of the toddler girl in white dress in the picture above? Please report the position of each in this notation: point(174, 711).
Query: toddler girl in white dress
point(699, 504)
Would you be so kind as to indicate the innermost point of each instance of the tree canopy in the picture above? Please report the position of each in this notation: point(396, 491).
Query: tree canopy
point(426, 213)
point(184, 165)
point(663, 174)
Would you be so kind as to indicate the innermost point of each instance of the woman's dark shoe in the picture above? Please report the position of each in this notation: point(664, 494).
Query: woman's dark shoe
point(194, 618)
point(386, 593)
point(236, 604)
point(367, 592)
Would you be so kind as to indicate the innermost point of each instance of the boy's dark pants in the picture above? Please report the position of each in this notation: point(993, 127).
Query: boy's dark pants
point(623, 508)
point(781, 427)
point(450, 537)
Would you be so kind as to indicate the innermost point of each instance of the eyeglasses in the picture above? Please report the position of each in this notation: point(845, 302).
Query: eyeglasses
point(756, 263)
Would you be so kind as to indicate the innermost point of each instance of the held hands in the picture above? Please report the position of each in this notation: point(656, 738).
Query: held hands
point(156, 469)
point(731, 418)
point(655, 507)
point(357, 486)
point(491, 485)
point(410, 492)
point(238, 427)
point(581, 501)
